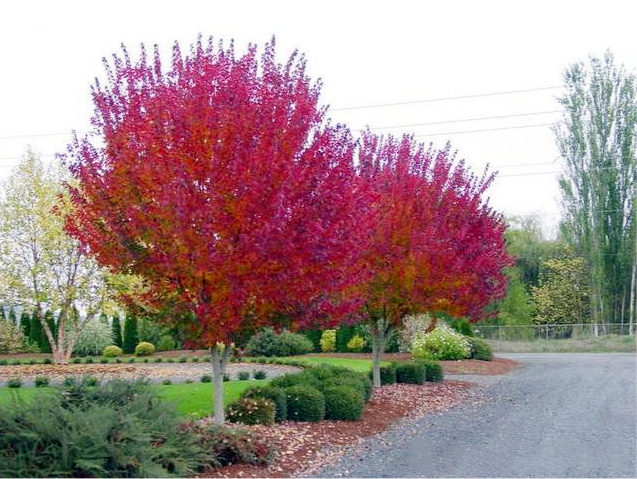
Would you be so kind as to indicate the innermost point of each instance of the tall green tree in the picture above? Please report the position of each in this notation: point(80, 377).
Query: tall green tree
point(130, 334)
point(597, 139)
point(116, 331)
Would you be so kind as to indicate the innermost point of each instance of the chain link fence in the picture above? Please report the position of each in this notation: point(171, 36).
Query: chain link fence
point(532, 332)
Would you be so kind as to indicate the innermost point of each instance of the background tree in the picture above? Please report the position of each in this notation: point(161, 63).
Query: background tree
point(597, 137)
point(130, 334)
point(116, 331)
point(436, 246)
point(25, 324)
point(218, 181)
point(39, 263)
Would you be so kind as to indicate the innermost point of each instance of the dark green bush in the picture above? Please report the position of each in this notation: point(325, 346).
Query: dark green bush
point(3, 362)
point(89, 360)
point(295, 379)
point(410, 372)
point(47, 361)
point(305, 403)
point(387, 374)
point(104, 361)
point(195, 359)
point(33, 361)
point(131, 360)
point(480, 349)
point(69, 381)
point(206, 378)
point(260, 374)
point(355, 381)
point(183, 359)
point(76, 360)
point(41, 381)
point(462, 325)
point(433, 371)
point(252, 410)
point(14, 383)
point(274, 394)
point(166, 382)
point(158, 360)
point(268, 343)
point(139, 436)
point(226, 377)
point(343, 403)
point(243, 375)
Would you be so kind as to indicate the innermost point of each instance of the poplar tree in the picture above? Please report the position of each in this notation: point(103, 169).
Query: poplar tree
point(596, 138)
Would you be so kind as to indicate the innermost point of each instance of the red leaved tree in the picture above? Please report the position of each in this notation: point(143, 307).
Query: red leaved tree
point(220, 184)
point(436, 245)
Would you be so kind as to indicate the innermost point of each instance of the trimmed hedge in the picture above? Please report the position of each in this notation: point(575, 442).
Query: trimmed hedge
point(112, 351)
point(410, 372)
point(433, 371)
point(305, 403)
point(274, 394)
point(252, 410)
point(387, 374)
point(144, 349)
point(343, 403)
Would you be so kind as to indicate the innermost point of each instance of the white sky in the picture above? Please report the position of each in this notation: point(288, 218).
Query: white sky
point(365, 52)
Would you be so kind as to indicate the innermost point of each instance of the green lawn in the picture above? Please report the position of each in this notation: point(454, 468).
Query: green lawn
point(360, 365)
point(193, 399)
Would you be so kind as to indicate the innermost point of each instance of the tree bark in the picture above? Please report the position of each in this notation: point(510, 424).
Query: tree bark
point(381, 330)
point(219, 361)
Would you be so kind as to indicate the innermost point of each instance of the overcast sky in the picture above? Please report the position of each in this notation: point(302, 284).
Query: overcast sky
point(367, 53)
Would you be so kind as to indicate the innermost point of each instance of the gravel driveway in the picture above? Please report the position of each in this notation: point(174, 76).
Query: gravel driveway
point(562, 415)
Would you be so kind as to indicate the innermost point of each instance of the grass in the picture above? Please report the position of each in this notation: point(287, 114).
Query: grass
point(604, 344)
point(193, 400)
point(360, 365)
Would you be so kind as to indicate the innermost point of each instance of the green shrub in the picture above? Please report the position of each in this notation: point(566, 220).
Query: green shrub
point(16, 362)
point(95, 336)
point(89, 360)
point(206, 378)
point(462, 326)
point(41, 381)
point(252, 410)
point(305, 403)
point(358, 382)
point(118, 360)
point(3, 362)
point(130, 360)
point(267, 343)
point(410, 372)
point(104, 361)
point(12, 338)
point(170, 360)
point(314, 335)
point(131, 337)
point(343, 403)
point(243, 375)
point(90, 381)
point(47, 361)
point(260, 374)
point(166, 382)
point(33, 361)
point(328, 341)
point(166, 343)
point(132, 433)
point(144, 349)
point(233, 446)
point(76, 360)
point(356, 344)
point(295, 379)
point(159, 360)
point(195, 359)
point(14, 383)
point(274, 394)
point(387, 374)
point(480, 349)
point(443, 343)
point(433, 371)
point(189, 381)
point(226, 378)
point(68, 381)
point(183, 359)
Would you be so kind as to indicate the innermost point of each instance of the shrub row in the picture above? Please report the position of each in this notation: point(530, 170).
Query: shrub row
point(323, 392)
point(410, 372)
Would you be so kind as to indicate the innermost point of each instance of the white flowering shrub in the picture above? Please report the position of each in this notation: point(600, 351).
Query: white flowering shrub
point(93, 339)
point(412, 325)
point(443, 343)
point(11, 338)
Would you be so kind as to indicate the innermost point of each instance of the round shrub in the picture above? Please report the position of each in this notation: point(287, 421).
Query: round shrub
point(166, 343)
point(387, 374)
point(93, 339)
point(433, 371)
point(328, 340)
point(410, 372)
point(206, 378)
point(362, 386)
point(304, 378)
point(41, 381)
point(305, 403)
point(47, 361)
point(356, 344)
point(76, 360)
point(267, 343)
point(89, 360)
point(260, 374)
point(252, 410)
point(12, 338)
point(480, 349)
point(462, 326)
point(144, 349)
point(104, 360)
point(343, 403)
point(166, 382)
point(274, 394)
point(14, 383)
point(243, 375)
point(443, 343)
point(159, 360)
point(183, 359)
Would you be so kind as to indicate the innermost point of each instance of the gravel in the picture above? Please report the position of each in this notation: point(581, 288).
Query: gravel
point(562, 415)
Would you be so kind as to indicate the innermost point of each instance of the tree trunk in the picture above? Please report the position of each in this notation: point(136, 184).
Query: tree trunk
point(381, 330)
point(633, 307)
point(219, 361)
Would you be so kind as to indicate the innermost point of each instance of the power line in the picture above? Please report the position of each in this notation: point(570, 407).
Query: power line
point(460, 132)
point(35, 135)
point(464, 120)
point(448, 98)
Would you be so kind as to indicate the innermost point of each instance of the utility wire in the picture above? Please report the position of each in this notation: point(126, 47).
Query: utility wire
point(480, 118)
point(460, 132)
point(448, 98)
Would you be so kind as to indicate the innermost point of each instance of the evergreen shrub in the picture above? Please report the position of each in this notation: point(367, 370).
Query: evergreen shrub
point(480, 349)
point(252, 410)
point(343, 403)
point(305, 403)
point(275, 394)
point(328, 341)
point(267, 343)
point(144, 349)
point(433, 371)
point(41, 381)
point(410, 372)
point(387, 374)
